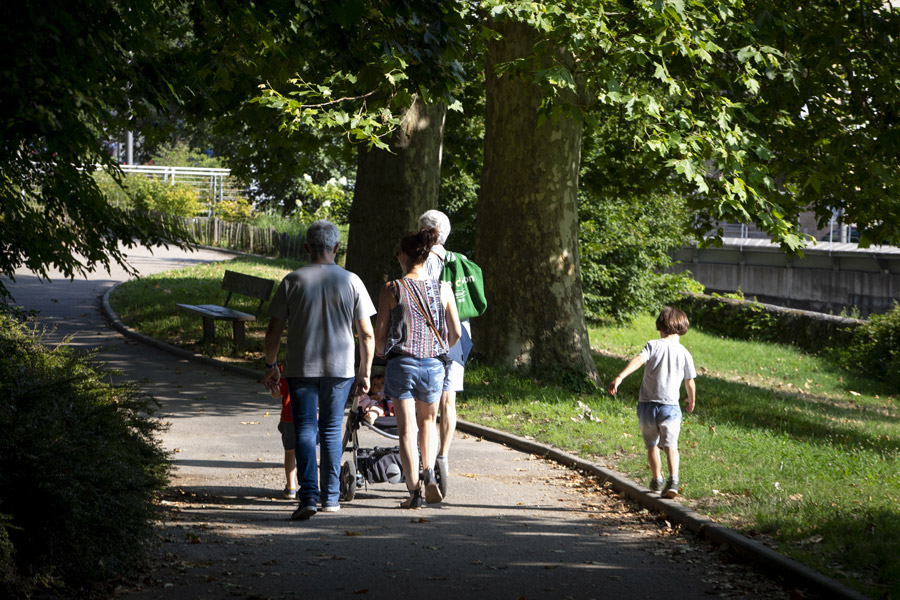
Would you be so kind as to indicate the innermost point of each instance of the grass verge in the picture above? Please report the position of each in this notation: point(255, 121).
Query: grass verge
point(783, 446)
point(148, 305)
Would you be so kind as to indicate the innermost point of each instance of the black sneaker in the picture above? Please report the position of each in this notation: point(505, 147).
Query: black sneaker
point(304, 512)
point(671, 489)
point(432, 490)
point(656, 484)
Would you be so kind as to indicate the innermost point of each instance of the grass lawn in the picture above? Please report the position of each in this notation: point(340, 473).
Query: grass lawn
point(148, 305)
point(783, 446)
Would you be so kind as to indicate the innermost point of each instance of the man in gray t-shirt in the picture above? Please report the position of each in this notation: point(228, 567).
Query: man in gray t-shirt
point(321, 304)
point(666, 364)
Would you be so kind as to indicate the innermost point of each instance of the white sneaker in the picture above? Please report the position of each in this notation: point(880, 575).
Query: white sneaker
point(331, 509)
point(290, 493)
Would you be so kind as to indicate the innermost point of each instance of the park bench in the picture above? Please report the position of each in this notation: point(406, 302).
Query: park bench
point(234, 283)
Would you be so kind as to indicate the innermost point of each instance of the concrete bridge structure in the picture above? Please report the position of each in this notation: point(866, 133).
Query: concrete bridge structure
point(830, 277)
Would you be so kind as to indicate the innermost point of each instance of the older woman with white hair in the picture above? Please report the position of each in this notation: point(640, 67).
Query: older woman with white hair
point(454, 371)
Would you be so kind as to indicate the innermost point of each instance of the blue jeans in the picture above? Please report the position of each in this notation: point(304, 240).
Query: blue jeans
point(328, 397)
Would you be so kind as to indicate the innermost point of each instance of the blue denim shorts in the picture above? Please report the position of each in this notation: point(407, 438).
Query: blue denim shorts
point(660, 424)
point(407, 377)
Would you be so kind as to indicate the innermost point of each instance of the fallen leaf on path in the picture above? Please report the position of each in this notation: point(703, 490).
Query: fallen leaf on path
point(352, 533)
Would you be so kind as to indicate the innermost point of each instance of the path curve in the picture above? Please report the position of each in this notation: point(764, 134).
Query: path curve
point(513, 526)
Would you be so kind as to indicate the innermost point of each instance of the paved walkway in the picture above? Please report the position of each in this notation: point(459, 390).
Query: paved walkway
point(513, 525)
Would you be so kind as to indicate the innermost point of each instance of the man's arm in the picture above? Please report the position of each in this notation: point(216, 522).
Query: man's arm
point(691, 386)
point(366, 353)
point(633, 365)
point(273, 343)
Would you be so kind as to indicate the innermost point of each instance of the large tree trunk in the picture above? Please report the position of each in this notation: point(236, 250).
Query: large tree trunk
point(527, 223)
point(392, 190)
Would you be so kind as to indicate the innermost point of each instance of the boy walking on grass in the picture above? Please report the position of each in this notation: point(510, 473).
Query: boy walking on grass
point(667, 363)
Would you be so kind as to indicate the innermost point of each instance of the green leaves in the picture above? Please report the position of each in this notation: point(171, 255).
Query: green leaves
point(365, 62)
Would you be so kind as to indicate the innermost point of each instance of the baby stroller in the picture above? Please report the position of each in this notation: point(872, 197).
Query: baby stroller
point(379, 464)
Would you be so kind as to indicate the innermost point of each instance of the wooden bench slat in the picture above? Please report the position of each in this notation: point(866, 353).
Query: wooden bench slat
point(215, 311)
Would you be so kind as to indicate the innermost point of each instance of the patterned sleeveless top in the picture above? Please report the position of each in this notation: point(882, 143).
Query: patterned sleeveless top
point(409, 332)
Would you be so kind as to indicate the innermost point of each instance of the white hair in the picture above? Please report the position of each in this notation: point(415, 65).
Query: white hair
point(435, 219)
point(322, 236)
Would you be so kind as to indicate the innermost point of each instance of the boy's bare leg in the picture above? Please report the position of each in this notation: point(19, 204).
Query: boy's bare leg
point(673, 459)
point(655, 462)
point(448, 421)
point(290, 469)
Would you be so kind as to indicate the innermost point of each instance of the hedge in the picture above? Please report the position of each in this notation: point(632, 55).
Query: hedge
point(745, 319)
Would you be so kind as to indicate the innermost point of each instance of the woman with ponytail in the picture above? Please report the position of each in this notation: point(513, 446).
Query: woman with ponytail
point(417, 324)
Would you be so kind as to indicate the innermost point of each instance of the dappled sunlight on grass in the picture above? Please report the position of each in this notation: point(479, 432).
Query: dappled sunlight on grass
point(781, 444)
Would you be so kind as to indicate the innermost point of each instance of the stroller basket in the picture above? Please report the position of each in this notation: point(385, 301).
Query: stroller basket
point(372, 465)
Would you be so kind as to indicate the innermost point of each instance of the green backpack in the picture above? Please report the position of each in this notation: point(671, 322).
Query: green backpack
point(467, 283)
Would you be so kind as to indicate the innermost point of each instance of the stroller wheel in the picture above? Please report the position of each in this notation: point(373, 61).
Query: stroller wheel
point(348, 481)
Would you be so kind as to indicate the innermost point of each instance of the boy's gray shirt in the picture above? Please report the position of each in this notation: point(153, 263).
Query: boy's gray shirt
point(668, 363)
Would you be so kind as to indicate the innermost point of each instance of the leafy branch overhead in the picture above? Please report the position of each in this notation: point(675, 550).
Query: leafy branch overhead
point(362, 118)
point(387, 55)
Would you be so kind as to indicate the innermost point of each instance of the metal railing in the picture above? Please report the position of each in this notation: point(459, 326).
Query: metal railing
point(215, 184)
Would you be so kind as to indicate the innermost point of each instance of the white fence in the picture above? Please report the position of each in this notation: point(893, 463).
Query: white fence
point(214, 184)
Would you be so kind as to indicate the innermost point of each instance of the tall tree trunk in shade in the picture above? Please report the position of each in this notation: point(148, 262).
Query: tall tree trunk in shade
point(527, 223)
point(392, 190)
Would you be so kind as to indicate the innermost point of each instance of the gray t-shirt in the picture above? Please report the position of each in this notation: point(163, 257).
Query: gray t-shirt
point(321, 303)
point(668, 364)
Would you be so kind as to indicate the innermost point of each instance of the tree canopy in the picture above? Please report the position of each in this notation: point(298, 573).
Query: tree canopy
point(750, 111)
point(73, 78)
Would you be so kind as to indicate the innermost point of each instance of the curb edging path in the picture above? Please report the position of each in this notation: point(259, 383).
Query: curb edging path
point(765, 558)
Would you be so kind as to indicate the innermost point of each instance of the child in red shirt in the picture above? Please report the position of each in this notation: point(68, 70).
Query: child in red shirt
point(286, 428)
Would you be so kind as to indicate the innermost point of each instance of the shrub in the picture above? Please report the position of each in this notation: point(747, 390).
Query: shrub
point(110, 188)
point(624, 245)
point(330, 201)
point(180, 200)
point(153, 195)
point(875, 350)
point(80, 468)
point(237, 210)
